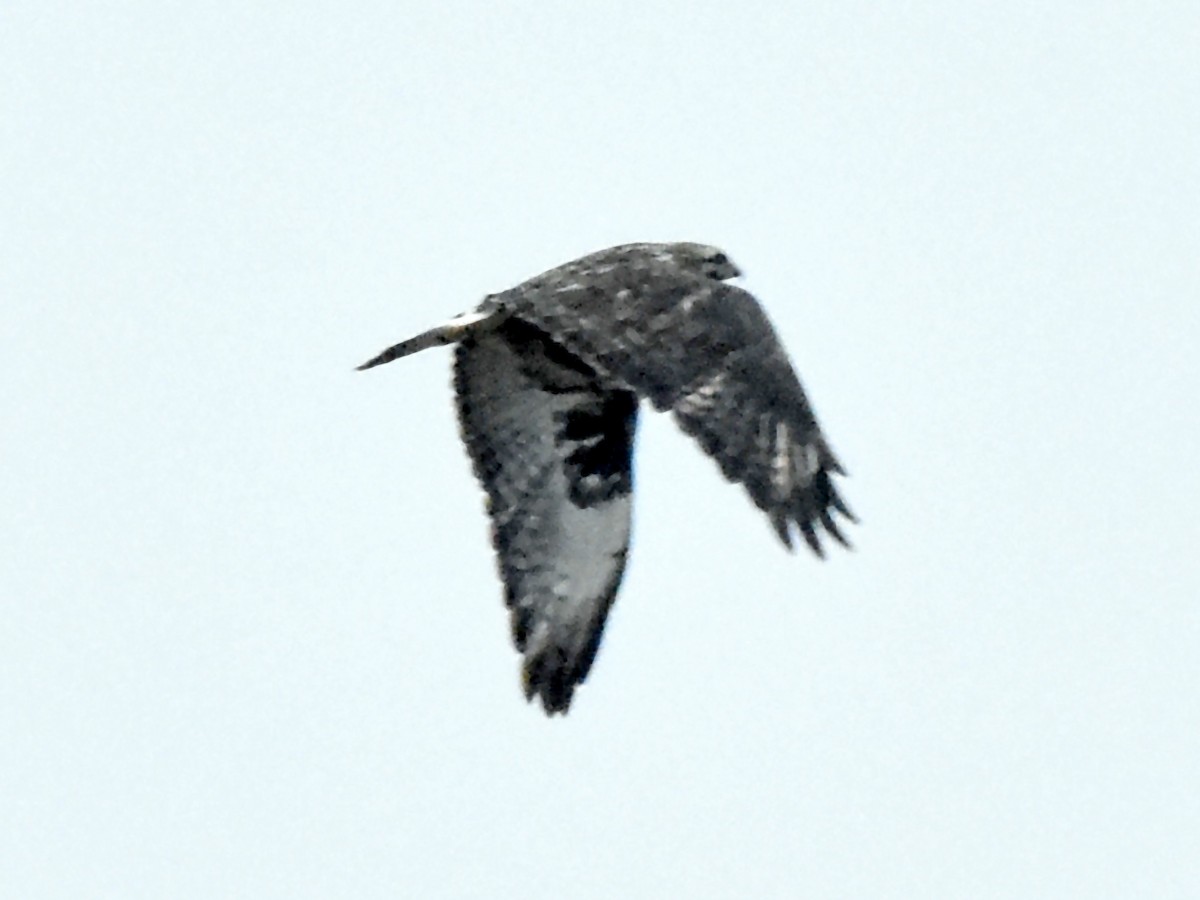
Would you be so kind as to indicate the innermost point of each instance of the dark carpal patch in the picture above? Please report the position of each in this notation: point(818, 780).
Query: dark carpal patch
point(598, 439)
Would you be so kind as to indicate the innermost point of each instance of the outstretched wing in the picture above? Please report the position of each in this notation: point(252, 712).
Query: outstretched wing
point(706, 351)
point(552, 450)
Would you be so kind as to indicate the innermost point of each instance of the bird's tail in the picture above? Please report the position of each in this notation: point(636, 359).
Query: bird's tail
point(447, 333)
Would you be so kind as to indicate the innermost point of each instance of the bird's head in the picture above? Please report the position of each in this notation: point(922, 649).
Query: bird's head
point(710, 262)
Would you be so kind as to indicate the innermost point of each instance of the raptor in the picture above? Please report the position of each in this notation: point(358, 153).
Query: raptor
point(548, 377)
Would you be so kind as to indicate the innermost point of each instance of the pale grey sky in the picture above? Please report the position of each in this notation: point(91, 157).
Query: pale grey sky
point(253, 641)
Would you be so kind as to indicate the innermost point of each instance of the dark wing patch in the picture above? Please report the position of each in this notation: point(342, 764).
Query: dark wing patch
point(552, 450)
point(706, 351)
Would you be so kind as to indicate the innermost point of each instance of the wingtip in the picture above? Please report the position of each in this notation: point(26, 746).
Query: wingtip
point(555, 692)
point(783, 530)
point(831, 527)
point(548, 708)
point(810, 537)
point(840, 505)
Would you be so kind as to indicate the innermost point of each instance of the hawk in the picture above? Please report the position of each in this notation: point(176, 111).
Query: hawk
point(547, 378)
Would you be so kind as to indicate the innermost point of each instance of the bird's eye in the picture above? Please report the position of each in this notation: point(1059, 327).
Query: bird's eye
point(719, 260)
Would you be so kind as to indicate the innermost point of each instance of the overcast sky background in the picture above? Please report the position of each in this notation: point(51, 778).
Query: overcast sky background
point(253, 644)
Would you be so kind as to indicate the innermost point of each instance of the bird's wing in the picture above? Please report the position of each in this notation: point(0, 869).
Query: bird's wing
point(552, 450)
point(706, 351)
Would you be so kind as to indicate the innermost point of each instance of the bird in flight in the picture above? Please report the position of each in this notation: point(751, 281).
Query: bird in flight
point(547, 380)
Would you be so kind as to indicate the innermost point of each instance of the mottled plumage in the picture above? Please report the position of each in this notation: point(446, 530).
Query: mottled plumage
point(547, 377)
